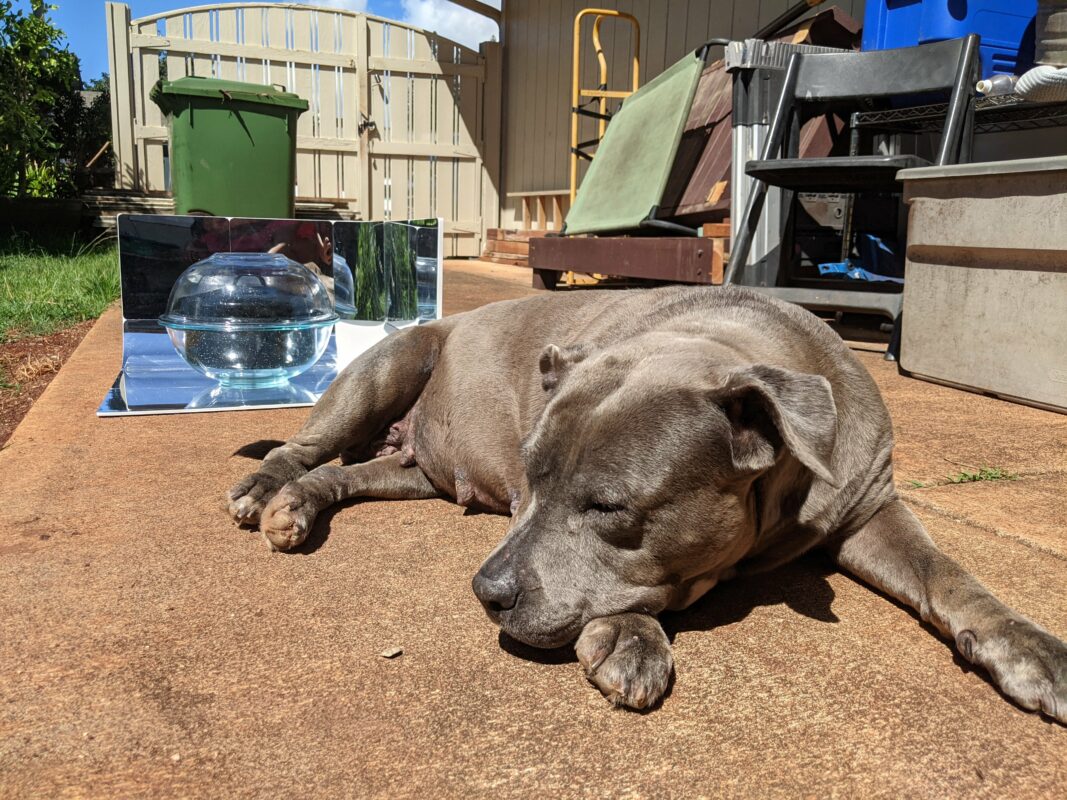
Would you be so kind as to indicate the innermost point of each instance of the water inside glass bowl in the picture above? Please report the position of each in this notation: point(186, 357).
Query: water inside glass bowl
point(249, 319)
point(251, 358)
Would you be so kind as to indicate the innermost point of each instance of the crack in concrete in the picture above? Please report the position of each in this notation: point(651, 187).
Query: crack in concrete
point(992, 529)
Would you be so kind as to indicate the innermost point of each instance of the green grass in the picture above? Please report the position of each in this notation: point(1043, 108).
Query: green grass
point(973, 475)
point(981, 474)
point(44, 289)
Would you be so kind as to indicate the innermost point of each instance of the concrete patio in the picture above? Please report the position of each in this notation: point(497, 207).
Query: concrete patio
point(150, 648)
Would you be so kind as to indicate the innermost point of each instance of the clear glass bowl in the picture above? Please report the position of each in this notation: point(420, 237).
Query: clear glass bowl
point(249, 320)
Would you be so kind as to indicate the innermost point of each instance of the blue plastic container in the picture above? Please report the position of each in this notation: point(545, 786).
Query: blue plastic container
point(1006, 28)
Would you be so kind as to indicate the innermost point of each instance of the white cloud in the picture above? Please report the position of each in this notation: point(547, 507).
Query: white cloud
point(441, 16)
point(451, 21)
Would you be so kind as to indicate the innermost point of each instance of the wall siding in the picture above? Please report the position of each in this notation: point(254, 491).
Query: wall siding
point(537, 69)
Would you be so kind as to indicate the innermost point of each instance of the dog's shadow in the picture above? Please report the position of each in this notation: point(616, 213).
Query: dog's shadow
point(257, 450)
point(801, 585)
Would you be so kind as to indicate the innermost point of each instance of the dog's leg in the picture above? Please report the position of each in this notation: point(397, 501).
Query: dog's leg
point(289, 515)
point(374, 390)
point(895, 554)
point(628, 657)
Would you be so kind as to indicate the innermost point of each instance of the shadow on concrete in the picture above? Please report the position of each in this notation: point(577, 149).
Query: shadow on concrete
point(257, 450)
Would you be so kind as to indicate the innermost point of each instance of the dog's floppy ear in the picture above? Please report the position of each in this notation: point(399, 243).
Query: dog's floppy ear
point(769, 408)
point(555, 361)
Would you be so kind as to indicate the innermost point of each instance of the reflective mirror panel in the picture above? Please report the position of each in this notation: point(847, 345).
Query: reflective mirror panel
point(382, 277)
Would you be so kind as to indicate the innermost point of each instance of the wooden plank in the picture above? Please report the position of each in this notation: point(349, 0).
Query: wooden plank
point(150, 173)
point(308, 175)
point(503, 246)
point(468, 175)
point(715, 230)
point(425, 67)
point(122, 94)
point(492, 128)
point(480, 8)
point(275, 25)
point(681, 260)
point(327, 121)
point(420, 149)
point(718, 260)
point(513, 234)
point(360, 45)
point(203, 64)
point(545, 193)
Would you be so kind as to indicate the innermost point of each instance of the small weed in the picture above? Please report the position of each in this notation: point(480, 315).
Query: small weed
point(5, 380)
point(968, 475)
point(981, 474)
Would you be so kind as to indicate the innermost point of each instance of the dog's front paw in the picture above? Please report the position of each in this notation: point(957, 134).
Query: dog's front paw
point(247, 499)
point(288, 517)
point(1027, 663)
point(628, 657)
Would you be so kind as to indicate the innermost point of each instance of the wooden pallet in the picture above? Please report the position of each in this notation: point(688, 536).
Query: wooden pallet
point(688, 259)
point(509, 246)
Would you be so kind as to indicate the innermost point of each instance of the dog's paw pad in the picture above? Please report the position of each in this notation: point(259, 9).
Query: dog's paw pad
point(287, 519)
point(628, 658)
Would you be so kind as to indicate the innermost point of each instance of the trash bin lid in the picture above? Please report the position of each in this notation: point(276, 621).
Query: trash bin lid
point(225, 91)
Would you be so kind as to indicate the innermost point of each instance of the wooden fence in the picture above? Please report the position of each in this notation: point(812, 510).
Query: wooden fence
point(402, 124)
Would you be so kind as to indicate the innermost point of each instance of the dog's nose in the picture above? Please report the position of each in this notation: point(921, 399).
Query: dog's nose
point(497, 594)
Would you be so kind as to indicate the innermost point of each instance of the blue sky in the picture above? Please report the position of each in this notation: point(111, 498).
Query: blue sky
point(83, 21)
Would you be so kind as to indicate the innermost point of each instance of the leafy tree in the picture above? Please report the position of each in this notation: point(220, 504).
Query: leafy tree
point(39, 79)
point(88, 129)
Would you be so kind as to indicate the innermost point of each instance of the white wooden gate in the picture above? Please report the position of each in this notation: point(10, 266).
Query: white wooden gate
point(402, 123)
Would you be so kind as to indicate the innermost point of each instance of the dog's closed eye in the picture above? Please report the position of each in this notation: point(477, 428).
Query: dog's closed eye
point(603, 508)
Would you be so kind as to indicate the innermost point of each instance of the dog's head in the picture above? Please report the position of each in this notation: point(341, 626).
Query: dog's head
point(640, 472)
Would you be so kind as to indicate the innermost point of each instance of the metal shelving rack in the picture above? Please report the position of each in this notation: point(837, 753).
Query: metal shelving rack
point(997, 114)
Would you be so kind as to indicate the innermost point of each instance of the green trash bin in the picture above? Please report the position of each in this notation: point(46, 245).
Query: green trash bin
point(232, 146)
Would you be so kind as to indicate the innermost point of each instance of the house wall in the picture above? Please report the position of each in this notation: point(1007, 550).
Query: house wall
point(538, 36)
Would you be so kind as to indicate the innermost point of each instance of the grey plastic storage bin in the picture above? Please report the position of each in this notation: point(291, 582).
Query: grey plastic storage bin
point(985, 298)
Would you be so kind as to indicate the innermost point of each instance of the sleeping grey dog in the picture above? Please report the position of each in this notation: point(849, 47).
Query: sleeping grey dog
point(647, 445)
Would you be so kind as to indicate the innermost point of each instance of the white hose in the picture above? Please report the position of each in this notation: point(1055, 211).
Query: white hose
point(1043, 84)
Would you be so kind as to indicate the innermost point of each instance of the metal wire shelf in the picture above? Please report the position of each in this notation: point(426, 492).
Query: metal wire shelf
point(992, 115)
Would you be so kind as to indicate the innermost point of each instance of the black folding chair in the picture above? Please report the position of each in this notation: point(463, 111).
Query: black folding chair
point(844, 83)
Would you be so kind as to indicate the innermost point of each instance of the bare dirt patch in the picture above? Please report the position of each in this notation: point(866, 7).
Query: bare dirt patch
point(27, 366)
